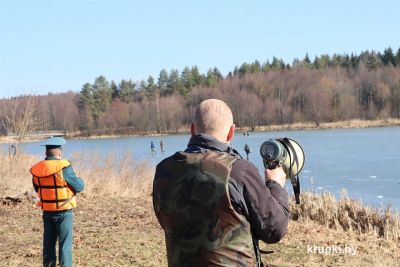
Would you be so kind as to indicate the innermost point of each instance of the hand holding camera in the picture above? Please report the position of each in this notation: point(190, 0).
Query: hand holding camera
point(277, 175)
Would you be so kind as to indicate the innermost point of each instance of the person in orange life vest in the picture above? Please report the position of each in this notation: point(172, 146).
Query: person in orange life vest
point(56, 184)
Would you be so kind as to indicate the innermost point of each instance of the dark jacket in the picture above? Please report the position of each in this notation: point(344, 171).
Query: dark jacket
point(264, 204)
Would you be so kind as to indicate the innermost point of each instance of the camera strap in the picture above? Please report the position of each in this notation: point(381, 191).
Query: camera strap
point(295, 179)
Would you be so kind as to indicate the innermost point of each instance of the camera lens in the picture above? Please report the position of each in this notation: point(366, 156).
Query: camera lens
point(270, 150)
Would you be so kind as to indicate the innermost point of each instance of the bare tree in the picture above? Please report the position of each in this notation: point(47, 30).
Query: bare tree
point(18, 120)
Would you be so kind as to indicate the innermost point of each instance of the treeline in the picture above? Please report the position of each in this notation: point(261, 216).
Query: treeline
point(325, 89)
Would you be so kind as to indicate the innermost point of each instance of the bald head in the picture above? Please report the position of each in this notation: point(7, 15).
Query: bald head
point(214, 117)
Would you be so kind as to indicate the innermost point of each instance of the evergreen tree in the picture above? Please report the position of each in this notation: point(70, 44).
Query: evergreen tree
point(86, 105)
point(102, 97)
point(354, 60)
point(187, 80)
point(322, 62)
point(211, 79)
point(217, 74)
point(296, 63)
point(163, 80)
point(143, 85)
point(150, 83)
point(307, 62)
point(371, 60)
point(307, 59)
point(336, 61)
point(114, 90)
point(345, 61)
point(397, 58)
point(277, 64)
point(235, 71)
point(86, 95)
point(174, 83)
point(127, 91)
point(255, 67)
point(265, 67)
point(198, 79)
point(388, 57)
point(245, 68)
point(150, 87)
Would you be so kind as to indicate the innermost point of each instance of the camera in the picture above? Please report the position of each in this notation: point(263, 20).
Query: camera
point(287, 153)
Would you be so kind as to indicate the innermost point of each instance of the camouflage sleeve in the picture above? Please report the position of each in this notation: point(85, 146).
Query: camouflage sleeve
point(264, 204)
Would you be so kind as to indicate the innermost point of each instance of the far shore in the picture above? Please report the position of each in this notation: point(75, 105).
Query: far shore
point(350, 124)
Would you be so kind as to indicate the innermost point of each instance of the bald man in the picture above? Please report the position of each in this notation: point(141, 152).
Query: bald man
point(213, 205)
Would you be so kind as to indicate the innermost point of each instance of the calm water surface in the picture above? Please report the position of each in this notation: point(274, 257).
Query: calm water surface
point(365, 161)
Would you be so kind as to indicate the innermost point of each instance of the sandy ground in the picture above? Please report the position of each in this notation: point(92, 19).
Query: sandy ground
point(125, 232)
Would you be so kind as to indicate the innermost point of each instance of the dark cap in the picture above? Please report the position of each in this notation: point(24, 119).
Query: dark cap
point(54, 142)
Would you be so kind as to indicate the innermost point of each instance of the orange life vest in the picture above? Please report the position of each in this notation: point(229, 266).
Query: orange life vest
point(54, 192)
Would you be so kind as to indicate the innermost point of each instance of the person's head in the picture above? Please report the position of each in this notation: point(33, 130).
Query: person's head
point(53, 151)
point(214, 117)
point(53, 146)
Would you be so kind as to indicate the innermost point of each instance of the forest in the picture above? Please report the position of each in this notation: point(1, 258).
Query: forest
point(327, 88)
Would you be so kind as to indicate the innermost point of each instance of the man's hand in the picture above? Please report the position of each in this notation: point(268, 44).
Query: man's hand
point(277, 175)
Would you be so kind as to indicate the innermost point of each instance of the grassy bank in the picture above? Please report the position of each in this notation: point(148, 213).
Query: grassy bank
point(350, 124)
point(113, 133)
point(115, 224)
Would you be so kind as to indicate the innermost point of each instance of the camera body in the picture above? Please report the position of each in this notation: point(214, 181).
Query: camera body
point(287, 153)
point(273, 154)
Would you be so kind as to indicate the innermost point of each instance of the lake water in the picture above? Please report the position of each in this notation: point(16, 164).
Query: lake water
point(364, 161)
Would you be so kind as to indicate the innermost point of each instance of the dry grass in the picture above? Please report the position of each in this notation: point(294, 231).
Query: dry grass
point(15, 178)
point(347, 214)
point(115, 224)
point(114, 175)
point(390, 122)
point(110, 175)
point(323, 220)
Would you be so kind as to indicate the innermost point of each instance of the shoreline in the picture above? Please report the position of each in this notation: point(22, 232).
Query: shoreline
point(299, 126)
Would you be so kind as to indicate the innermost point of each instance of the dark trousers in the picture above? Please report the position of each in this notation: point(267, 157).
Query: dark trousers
point(57, 225)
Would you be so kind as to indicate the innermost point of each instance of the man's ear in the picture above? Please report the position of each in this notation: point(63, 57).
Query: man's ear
point(192, 129)
point(231, 133)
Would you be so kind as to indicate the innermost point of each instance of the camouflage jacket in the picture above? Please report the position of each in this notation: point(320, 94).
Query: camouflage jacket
point(210, 203)
point(193, 206)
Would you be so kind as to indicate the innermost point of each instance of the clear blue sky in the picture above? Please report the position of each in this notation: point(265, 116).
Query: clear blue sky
point(55, 46)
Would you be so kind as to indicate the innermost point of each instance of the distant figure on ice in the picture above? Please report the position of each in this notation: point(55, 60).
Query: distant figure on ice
point(247, 150)
point(12, 152)
point(153, 147)
point(162, 146)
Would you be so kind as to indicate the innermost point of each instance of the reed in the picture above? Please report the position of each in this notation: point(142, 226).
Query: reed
point(15, 177)
point(114, 175)
point(109, 175)
point(347, 214)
